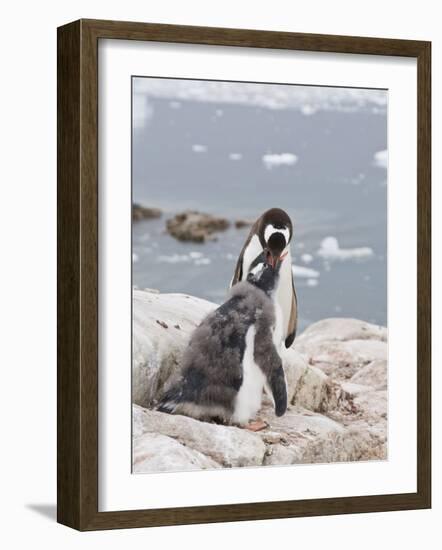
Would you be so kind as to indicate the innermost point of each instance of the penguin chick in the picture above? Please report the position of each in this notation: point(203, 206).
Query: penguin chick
point(233, 354)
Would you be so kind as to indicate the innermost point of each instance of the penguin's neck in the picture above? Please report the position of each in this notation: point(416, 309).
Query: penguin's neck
point(253, 250)
point(269, 288)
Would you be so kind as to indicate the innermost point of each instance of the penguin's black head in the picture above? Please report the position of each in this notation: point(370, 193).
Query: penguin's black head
point(275, 232)
point(275, 248)
point(264, 274)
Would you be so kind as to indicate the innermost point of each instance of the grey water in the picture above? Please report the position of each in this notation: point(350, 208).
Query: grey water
point(334, 189)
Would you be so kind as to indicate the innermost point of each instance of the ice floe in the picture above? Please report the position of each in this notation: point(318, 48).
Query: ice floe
point(142, 110)
point(307, 258)
point(380, 159)
point(305, 272)
point(305, 99)
point(196, 257)
point(235, 156)
point(203, 261)
point(174, 258)
point(271, 160)
point(357, 180)
point(197, 148)
point(308, 109)
point(330, 250)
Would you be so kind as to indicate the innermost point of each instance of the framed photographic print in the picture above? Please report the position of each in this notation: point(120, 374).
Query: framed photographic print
point(243, 274)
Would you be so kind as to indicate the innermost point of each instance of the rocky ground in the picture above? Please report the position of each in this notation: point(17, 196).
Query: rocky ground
point(195, 226)
point(189, 225)
point(140, 212)
point(337, 388)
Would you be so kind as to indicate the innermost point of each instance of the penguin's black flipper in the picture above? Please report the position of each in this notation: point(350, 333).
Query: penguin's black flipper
point(279, 390)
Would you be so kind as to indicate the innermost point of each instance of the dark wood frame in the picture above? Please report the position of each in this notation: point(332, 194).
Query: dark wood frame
point(77, 225)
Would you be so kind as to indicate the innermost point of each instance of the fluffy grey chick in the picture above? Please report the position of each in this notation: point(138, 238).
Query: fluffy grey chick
point(233, 354)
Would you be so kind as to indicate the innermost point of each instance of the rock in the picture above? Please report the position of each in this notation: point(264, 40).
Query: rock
point(341, 347)
point(308, 386)
point(341, 360)
point(157, 349)
point(144, 213)
point(354, 389)
point(226, 445)
point(295, 367)
point(195, 226)
point(239, 224)
point(162, 325)
point(373, 404)
point(315, 391)
point(314, 438)
point(309, 438)
point(336, 376)
point(158, 453)
point(341, 330)
point(374, 374)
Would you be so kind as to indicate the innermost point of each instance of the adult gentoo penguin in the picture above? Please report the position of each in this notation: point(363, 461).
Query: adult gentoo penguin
point(232, 355)
point(272, 232)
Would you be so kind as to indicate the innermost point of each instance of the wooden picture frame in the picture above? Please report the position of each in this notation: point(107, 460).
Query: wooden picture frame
point(77, 225)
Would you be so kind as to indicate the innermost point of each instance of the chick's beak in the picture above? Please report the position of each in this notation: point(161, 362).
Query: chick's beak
point(273, 259)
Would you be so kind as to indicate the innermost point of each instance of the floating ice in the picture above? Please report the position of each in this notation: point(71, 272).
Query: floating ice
point(307, 258)
point(330, 250)
point(305, 99)
point(304, 272)
point(175, 105)
point(381, 159)
point(142, 110)
point(312, 282)
point(358, 179)
point(308, 110)
point(173, 259)
point(203, 261)
point(195, 255)
point(135, 257)
point(197, 148)
point(271, 160)
point(235, 156)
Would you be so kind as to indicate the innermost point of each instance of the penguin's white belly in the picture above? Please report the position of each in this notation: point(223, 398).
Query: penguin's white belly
point(284, 293)
point(248, 400)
